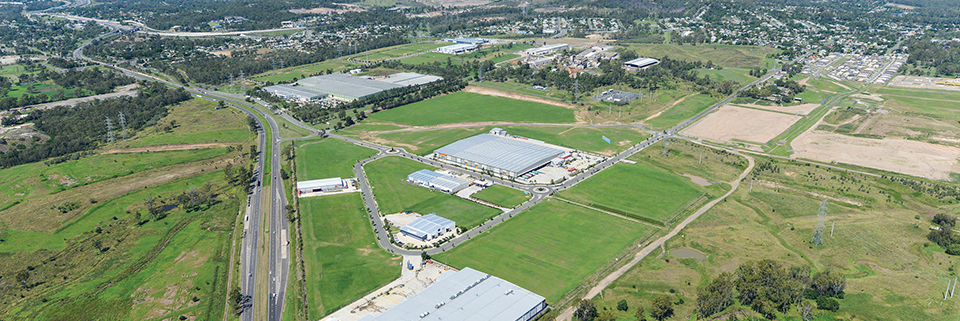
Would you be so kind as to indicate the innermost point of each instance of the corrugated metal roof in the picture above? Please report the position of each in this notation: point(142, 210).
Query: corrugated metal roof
point(436, 179)
point(319, 183)
point(510, 154)
point(467, 295)
point(346, 85)
point(411, 78)
point(291, 91)
point(424, 225)
point(642, 62)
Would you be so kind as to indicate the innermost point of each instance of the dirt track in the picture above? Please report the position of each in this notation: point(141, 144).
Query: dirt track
point(161, 148)
point(500, 93)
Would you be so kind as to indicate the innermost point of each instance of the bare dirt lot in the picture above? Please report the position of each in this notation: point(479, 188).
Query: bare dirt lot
point(804, 109)
point(922, 82)
point(893, 154)
point(731, 122)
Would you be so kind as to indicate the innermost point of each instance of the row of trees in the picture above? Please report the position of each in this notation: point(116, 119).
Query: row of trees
point(767, 287)
point(82, 82)
point(80, 128)
point(945, 236)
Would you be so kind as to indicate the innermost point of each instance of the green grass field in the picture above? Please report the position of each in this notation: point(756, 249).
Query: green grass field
point(502, 195)
point(878, 242)
point(431, 57)
point(394, 195)
point(195, 121)
point(724, 55)
point(584, 138)
point(329, 158)
point(342, 260)
point(162, 265)
point(425, 142)
point(469, 107)
point(689, 107)
point(739, 75)
point(639, 191)
point(548, 249)
point(397, 51)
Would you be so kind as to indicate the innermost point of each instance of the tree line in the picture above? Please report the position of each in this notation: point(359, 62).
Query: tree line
point(80, 128)
point(83, 82)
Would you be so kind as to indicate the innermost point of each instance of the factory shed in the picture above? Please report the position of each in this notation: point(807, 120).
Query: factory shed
point(501, 155)
point(428, 227)
point(442, 182)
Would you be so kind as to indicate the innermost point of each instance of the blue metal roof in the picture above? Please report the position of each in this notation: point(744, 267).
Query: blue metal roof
point(510, 154)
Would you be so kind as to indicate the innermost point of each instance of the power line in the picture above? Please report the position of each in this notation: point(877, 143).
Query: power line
point(818, 235)
point(110, 137)
point(123, 125)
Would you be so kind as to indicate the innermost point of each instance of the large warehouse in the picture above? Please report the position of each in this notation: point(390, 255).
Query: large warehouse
point(442, 182)
point(457, 49)
point(546, 50)
point(318, 185)
point(641, 63)
point(428, 227)
point(346, 87)
point(467, 295)
point(505, 156)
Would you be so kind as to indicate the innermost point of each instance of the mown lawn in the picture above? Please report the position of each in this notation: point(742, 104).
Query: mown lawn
point(329, 158)
point(463, 107)
point(548, 249)
point(388, 177)
point(502, 195)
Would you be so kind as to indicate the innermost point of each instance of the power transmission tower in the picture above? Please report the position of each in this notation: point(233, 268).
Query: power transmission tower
point(818, 234)
point(110, 137)
point(666, 147)
point(123, 126)
point(576, 96)
point(281, 64)
point(243, 85)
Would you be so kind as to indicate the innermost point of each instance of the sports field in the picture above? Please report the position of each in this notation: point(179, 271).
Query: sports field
point(194, 121)
point(548, 249)
point(637, 191)
point(502, 195)
point(469, 107)
point(329, 158)
point(340, 254)
point(388, 177)
point(584, 138)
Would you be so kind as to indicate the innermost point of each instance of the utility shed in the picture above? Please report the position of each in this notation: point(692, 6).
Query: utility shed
point(467, 295)
point(428, 227)
point(326, 184)
point(501, 155)
point(445, 183)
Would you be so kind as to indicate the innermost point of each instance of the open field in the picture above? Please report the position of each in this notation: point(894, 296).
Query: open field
point(299, 72)
point(681, 109)
point(639, 191)
point(802, 109)
point(329, 158)
point(397, 51)
point(194, 121)
point(388, 177)
point(161, 269)
point(584, 138)
point(425, 142)
point(723, 55)
point(341, 257)
point(878, 243)
point(469, 107)
point(502, 195)
point(687, 158)
point(891, 154)
point(740, 75)
point(729, 122)
point(548, 249)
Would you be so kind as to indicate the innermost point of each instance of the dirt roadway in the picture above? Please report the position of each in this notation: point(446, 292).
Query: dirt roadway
point(128, 90)
point(605, 282)
point(163, 148)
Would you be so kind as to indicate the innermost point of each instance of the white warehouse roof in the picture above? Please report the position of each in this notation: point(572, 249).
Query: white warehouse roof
point(510, 154)
point(427, 225)
point(431, 178)
point(317, 183)
point(642, 62)
point(466, 295)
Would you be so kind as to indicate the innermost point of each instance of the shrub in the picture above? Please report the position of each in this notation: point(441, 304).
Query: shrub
point(827, 303)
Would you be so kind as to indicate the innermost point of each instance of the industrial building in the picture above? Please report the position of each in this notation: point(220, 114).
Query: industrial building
point(345, 87)
point(641, 63)
point(467, 295)
point(457, 49)
point(469, 41)
point(500, 155)
point(546, 50)
point(428, 227)
point(442, 182)
point(321, 185)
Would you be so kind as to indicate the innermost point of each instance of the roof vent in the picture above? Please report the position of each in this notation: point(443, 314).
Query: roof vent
point(508, 292)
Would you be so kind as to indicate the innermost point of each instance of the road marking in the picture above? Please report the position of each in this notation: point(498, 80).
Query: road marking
point(283, 244)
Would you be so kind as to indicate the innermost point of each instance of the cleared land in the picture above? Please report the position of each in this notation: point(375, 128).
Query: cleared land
point(740, 75)
point(680, 109)
point(548, 249)
point(723, 55)
point(584, 138)
point(892, 154)
point(729, 123)
point(803, 109)
point(892, 272)
point(425, 142)
point(329, 158)
point(340, 254)
point(194, 121)
point(637, 191)
point(460, 106)
point(388, 177)
point(502, 195)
